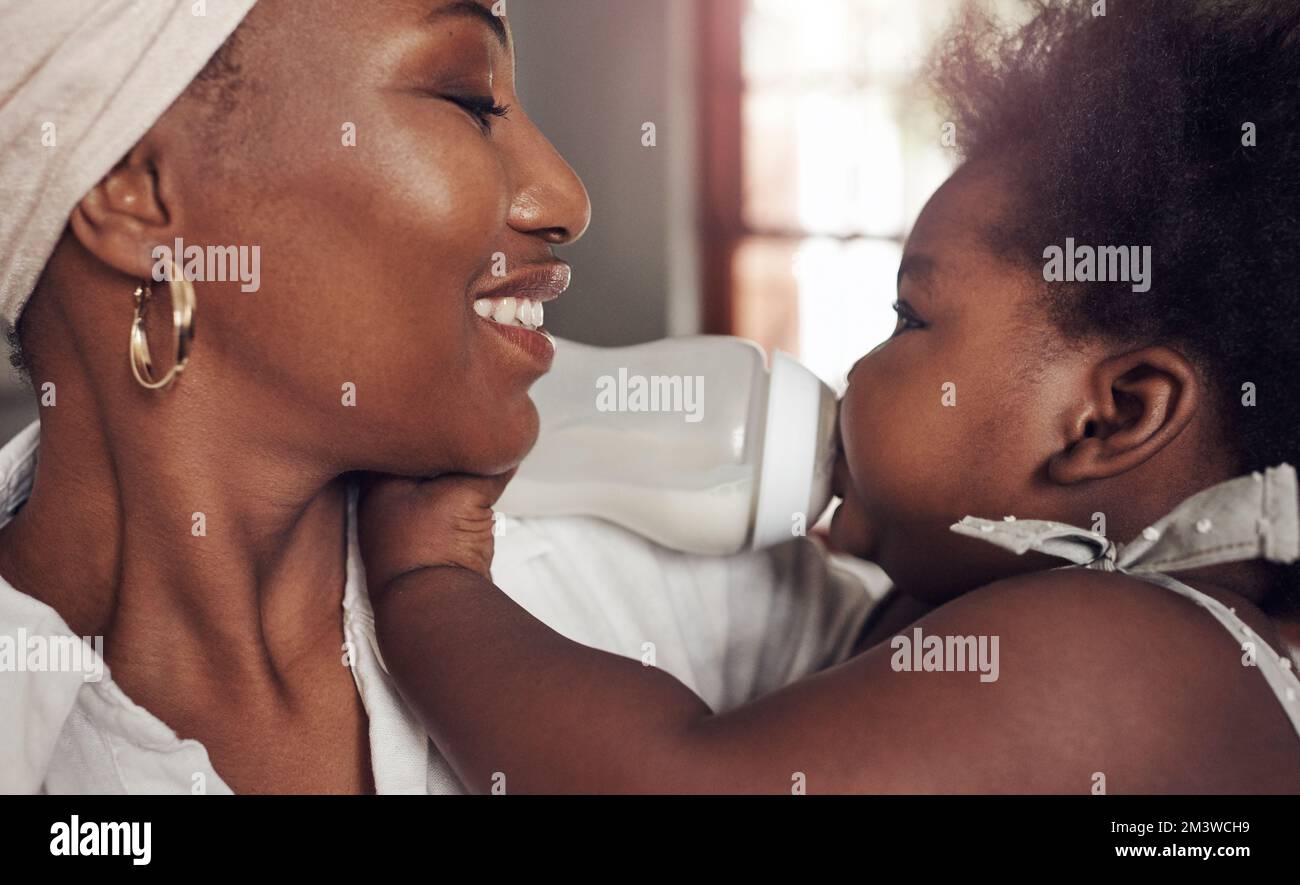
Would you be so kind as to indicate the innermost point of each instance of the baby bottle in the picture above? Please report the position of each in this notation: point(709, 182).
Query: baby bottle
point(690, 442)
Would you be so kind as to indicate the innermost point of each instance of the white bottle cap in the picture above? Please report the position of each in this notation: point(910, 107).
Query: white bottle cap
point(791, 448)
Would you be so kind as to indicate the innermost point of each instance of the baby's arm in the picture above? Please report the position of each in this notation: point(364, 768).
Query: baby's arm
point(503, 696)
point(731, 628)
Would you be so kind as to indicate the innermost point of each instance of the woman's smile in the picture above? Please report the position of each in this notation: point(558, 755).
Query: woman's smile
point(513, 309)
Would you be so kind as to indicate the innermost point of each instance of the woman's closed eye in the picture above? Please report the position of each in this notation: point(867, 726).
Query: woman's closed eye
point(482, 107)
point(907, 318)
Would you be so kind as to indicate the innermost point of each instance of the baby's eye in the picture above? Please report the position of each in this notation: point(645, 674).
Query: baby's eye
point(907, 319)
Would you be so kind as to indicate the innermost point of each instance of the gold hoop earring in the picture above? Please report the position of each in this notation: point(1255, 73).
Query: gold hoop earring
point(183, 301)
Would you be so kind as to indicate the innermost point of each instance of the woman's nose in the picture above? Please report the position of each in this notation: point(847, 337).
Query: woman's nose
point(551, 201)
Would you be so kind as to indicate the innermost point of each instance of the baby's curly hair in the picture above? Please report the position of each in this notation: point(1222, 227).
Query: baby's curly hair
point(1139, 128)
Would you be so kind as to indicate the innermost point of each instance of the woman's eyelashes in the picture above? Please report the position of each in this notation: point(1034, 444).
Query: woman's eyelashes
point(482, 108)
point(907, 318)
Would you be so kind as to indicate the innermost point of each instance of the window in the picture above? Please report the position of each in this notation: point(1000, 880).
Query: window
point(820, 151)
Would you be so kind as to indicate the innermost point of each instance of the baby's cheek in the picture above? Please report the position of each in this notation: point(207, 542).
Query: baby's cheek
point(927, 417)
point(941, 468)
point(850, 531)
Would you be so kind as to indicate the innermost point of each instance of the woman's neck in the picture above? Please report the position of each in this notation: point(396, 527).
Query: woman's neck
point(198, 555)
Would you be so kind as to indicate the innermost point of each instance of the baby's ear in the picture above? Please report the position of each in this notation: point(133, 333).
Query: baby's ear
point(124, 217)
point(1137, 404)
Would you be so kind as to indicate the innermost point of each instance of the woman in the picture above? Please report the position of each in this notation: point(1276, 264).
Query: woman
point(380, 198)
point(1079, 410)
point(207, 518)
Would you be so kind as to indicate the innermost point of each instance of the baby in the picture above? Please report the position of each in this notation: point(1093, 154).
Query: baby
point(1056, 413)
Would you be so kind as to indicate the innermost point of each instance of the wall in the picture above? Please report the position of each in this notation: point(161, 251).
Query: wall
point(591, 73)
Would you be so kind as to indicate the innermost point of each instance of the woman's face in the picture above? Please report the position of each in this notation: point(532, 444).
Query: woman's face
point(382, 205)
point(960, 411)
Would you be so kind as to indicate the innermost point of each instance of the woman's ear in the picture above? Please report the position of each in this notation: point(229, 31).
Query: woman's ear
point(1138, 403)
point(124, 218)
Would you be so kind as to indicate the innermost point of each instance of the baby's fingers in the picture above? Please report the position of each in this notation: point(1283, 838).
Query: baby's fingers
point(408, 524)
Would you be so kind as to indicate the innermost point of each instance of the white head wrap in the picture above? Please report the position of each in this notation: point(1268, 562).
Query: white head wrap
point(81, 82)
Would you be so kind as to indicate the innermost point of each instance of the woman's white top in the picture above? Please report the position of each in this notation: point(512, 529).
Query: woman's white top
point(730, 628)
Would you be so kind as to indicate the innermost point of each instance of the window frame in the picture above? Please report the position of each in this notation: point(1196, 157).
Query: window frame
point(723, 228)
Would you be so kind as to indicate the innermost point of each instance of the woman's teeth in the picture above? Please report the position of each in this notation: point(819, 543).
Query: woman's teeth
point(511, 311)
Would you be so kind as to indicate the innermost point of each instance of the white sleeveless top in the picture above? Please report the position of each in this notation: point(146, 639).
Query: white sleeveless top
point(1250, 517)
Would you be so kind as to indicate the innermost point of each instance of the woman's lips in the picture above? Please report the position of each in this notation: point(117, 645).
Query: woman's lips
point(513, 308)
point(535, 345)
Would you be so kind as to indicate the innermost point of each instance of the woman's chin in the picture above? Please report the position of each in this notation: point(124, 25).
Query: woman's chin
point(501, 444)
point(477, 444)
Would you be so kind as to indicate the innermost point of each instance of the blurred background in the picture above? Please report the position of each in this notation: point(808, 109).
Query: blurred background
point(791, 150)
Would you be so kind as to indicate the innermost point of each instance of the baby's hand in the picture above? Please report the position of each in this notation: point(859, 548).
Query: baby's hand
point(408, 524)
